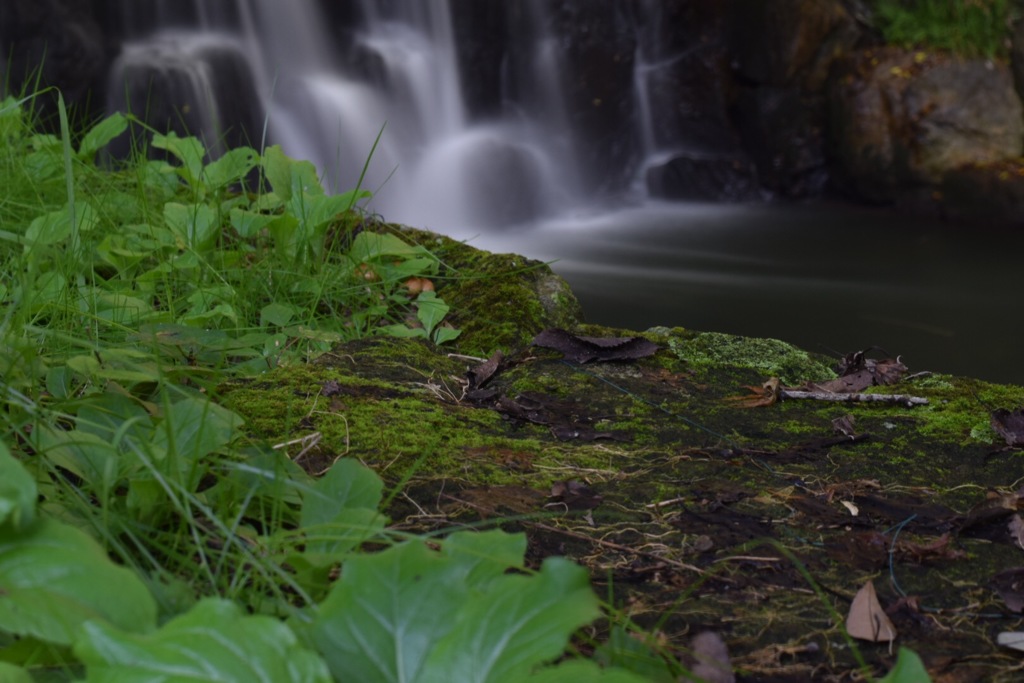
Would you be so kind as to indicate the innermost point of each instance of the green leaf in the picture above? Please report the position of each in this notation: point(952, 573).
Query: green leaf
point(213, 641)
point(55, 578)
point(277, 167)
point(629, 652)
point(340, 511)
point(520, 623)
point(55, 227)
point(193, 428)
point(909, 669)
point(371, 245)
point(386, 613)
point(88, 456)
point(485, 555)
point(13, 674)
point(385, 619)
point(189, 151)
point(277, 314)
point(249, 224)
point(17, 493)
point(445, 334)
point(231, 167)
point(195, 226)
point(100, 135)
point(430, 311)
point(581, 671)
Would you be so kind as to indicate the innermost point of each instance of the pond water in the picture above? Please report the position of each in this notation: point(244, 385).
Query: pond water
point(827, 277)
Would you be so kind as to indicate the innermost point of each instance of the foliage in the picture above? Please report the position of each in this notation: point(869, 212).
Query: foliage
point(142, 536)
point(977, 28)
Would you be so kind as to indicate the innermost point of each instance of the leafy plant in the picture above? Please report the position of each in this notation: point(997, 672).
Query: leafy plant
point(971, 29)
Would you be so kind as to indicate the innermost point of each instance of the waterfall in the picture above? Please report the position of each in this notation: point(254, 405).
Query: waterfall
point(325, 87)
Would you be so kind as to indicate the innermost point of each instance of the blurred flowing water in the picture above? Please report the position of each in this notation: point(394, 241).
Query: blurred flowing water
point(517, 178)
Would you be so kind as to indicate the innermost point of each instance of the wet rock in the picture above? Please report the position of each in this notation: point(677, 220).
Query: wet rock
point(992, 193)
point(782, 54)
point(783, 130)
point(901, 120)
point(790, 42)
point(59, 42)
point(705, 178)
point(598, 44)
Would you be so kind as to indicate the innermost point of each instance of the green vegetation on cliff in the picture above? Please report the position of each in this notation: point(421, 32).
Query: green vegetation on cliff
point(972, 28)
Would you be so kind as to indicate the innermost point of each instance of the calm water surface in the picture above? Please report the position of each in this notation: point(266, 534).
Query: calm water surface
point(825, 277)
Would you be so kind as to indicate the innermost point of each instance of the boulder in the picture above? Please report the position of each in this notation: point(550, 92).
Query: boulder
point(901, 120)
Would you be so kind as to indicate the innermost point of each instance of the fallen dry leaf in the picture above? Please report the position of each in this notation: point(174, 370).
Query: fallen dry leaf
point(923, 553)
point(764, 395)
point(1016, 526)
point(867, 620)
point(1010, 586)
point(586, 349)
point(995, 507)
point(712, 659)
point(1009, 425)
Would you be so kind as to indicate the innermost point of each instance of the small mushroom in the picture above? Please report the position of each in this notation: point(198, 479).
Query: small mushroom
point(366, 272)
point(415, 285)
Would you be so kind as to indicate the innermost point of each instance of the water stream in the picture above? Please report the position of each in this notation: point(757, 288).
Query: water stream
point(512, 176)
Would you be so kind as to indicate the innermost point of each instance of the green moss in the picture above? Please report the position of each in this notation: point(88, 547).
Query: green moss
point(499, 301)
point(770, 357)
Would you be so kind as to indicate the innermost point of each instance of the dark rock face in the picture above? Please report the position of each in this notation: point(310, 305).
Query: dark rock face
point(60, 43)
point(715, 178)
point(481, 42)
point(598, 44)
point(205, 90)
point(901, 120)
point(783, 52)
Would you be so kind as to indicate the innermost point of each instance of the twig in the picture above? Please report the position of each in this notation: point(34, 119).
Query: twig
point(903, 399)
point(606, 544)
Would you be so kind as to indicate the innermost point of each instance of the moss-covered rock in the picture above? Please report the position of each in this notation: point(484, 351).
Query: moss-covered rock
point(704, 506)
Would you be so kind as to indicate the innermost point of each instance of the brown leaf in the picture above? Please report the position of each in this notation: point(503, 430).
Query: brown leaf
point(1016, 526)
point(995, 507)
point(575, 495)
point(482, 374)
point(1009, 425)
point(712, 658)
point(867, 620)
point(939, 549)
point(764, 395)
point(1010, 586)
point(586, 349)
point(844, 425)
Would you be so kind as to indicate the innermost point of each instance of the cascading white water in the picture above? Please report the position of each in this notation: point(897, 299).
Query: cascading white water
point(325, 93)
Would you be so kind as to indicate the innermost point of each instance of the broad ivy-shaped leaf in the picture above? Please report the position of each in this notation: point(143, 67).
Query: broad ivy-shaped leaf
point(55, 578)
point(196, 226)
point(389, 611)
point(100, 135)
point(582, 671)
point(518, 624)
point(55, 227)
point(193, 428)
point(384, 616)
point(214, 641)
point(340, 511)
point(189, 151)
point(17, 493)
point(231, 167)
